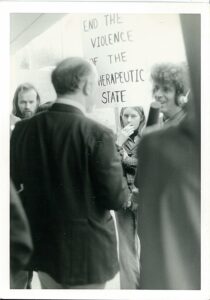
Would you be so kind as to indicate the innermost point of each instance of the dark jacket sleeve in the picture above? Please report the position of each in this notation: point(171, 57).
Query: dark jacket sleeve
point(106, 168)
point(20, 237)
point(169, 211)
point(14, 165)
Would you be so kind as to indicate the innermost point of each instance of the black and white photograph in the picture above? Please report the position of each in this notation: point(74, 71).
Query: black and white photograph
point(105, 151)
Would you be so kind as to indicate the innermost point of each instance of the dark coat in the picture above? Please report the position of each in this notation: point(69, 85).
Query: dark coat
point(169, 210)
point(72, 177)
point(20, 237)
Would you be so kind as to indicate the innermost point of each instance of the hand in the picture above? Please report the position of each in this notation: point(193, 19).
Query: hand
point(124, 134)
point(135, 190)
point(127, 204)
point(134, 199)
point(125, 154)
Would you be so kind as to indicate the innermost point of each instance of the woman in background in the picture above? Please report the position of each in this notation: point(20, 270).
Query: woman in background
point(132, 121)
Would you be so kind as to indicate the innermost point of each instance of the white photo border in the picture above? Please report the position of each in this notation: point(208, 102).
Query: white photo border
point(93, 7)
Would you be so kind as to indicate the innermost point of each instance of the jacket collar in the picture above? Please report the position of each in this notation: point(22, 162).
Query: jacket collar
point(61, 107)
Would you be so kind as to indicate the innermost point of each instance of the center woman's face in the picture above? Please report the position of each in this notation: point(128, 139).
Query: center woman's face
point(131, 116)
point(165, 94)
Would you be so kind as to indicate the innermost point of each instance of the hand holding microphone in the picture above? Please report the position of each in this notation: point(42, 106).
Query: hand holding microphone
point(154, 111)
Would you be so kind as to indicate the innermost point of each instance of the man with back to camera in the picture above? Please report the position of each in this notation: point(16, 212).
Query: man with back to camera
point(71, 177)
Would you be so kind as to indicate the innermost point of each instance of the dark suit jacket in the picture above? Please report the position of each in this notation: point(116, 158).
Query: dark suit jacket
point(169, 210)
point(72, 177)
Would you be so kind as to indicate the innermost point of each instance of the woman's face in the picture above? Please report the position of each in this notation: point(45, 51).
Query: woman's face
point(131, 116)
point(165, 94)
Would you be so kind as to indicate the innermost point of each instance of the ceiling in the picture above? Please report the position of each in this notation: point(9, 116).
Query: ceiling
point(26, 26)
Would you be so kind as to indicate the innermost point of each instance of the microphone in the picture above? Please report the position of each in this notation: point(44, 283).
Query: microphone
point(153, 116)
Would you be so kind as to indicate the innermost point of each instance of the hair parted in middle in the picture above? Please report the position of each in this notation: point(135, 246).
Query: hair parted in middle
point(24, 87)
point(69, 73)
point(140, 111)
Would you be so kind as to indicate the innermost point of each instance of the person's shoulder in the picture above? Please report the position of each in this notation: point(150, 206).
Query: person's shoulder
point(169, 145)
point(151, 129)
point(97, 128)
point(14, 119)
point(19, 128)
point(25, 123)
point(159, 139)
point(96, 132)
point(21, 123)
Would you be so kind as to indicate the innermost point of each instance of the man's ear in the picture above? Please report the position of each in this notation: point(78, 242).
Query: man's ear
point(87, 87)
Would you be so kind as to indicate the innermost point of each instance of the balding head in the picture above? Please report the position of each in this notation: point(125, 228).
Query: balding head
point(70, 74)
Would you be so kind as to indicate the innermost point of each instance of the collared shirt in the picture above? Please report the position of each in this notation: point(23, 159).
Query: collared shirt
point(175, 119)
point(69, 101)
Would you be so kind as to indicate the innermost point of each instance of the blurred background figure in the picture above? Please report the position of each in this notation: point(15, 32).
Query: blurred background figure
point(20, 242)
point(132, 121)
point(169, 183)
point(25, 103)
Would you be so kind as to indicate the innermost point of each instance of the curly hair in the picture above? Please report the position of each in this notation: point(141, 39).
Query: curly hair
point(169, 73)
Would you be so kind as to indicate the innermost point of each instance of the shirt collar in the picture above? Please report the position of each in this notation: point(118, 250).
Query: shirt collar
point(69, 101)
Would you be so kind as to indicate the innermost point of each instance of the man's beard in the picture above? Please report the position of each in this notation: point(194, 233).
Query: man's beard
point(27, 114)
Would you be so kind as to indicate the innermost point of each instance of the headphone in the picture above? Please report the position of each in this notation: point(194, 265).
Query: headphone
point(182, 100)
